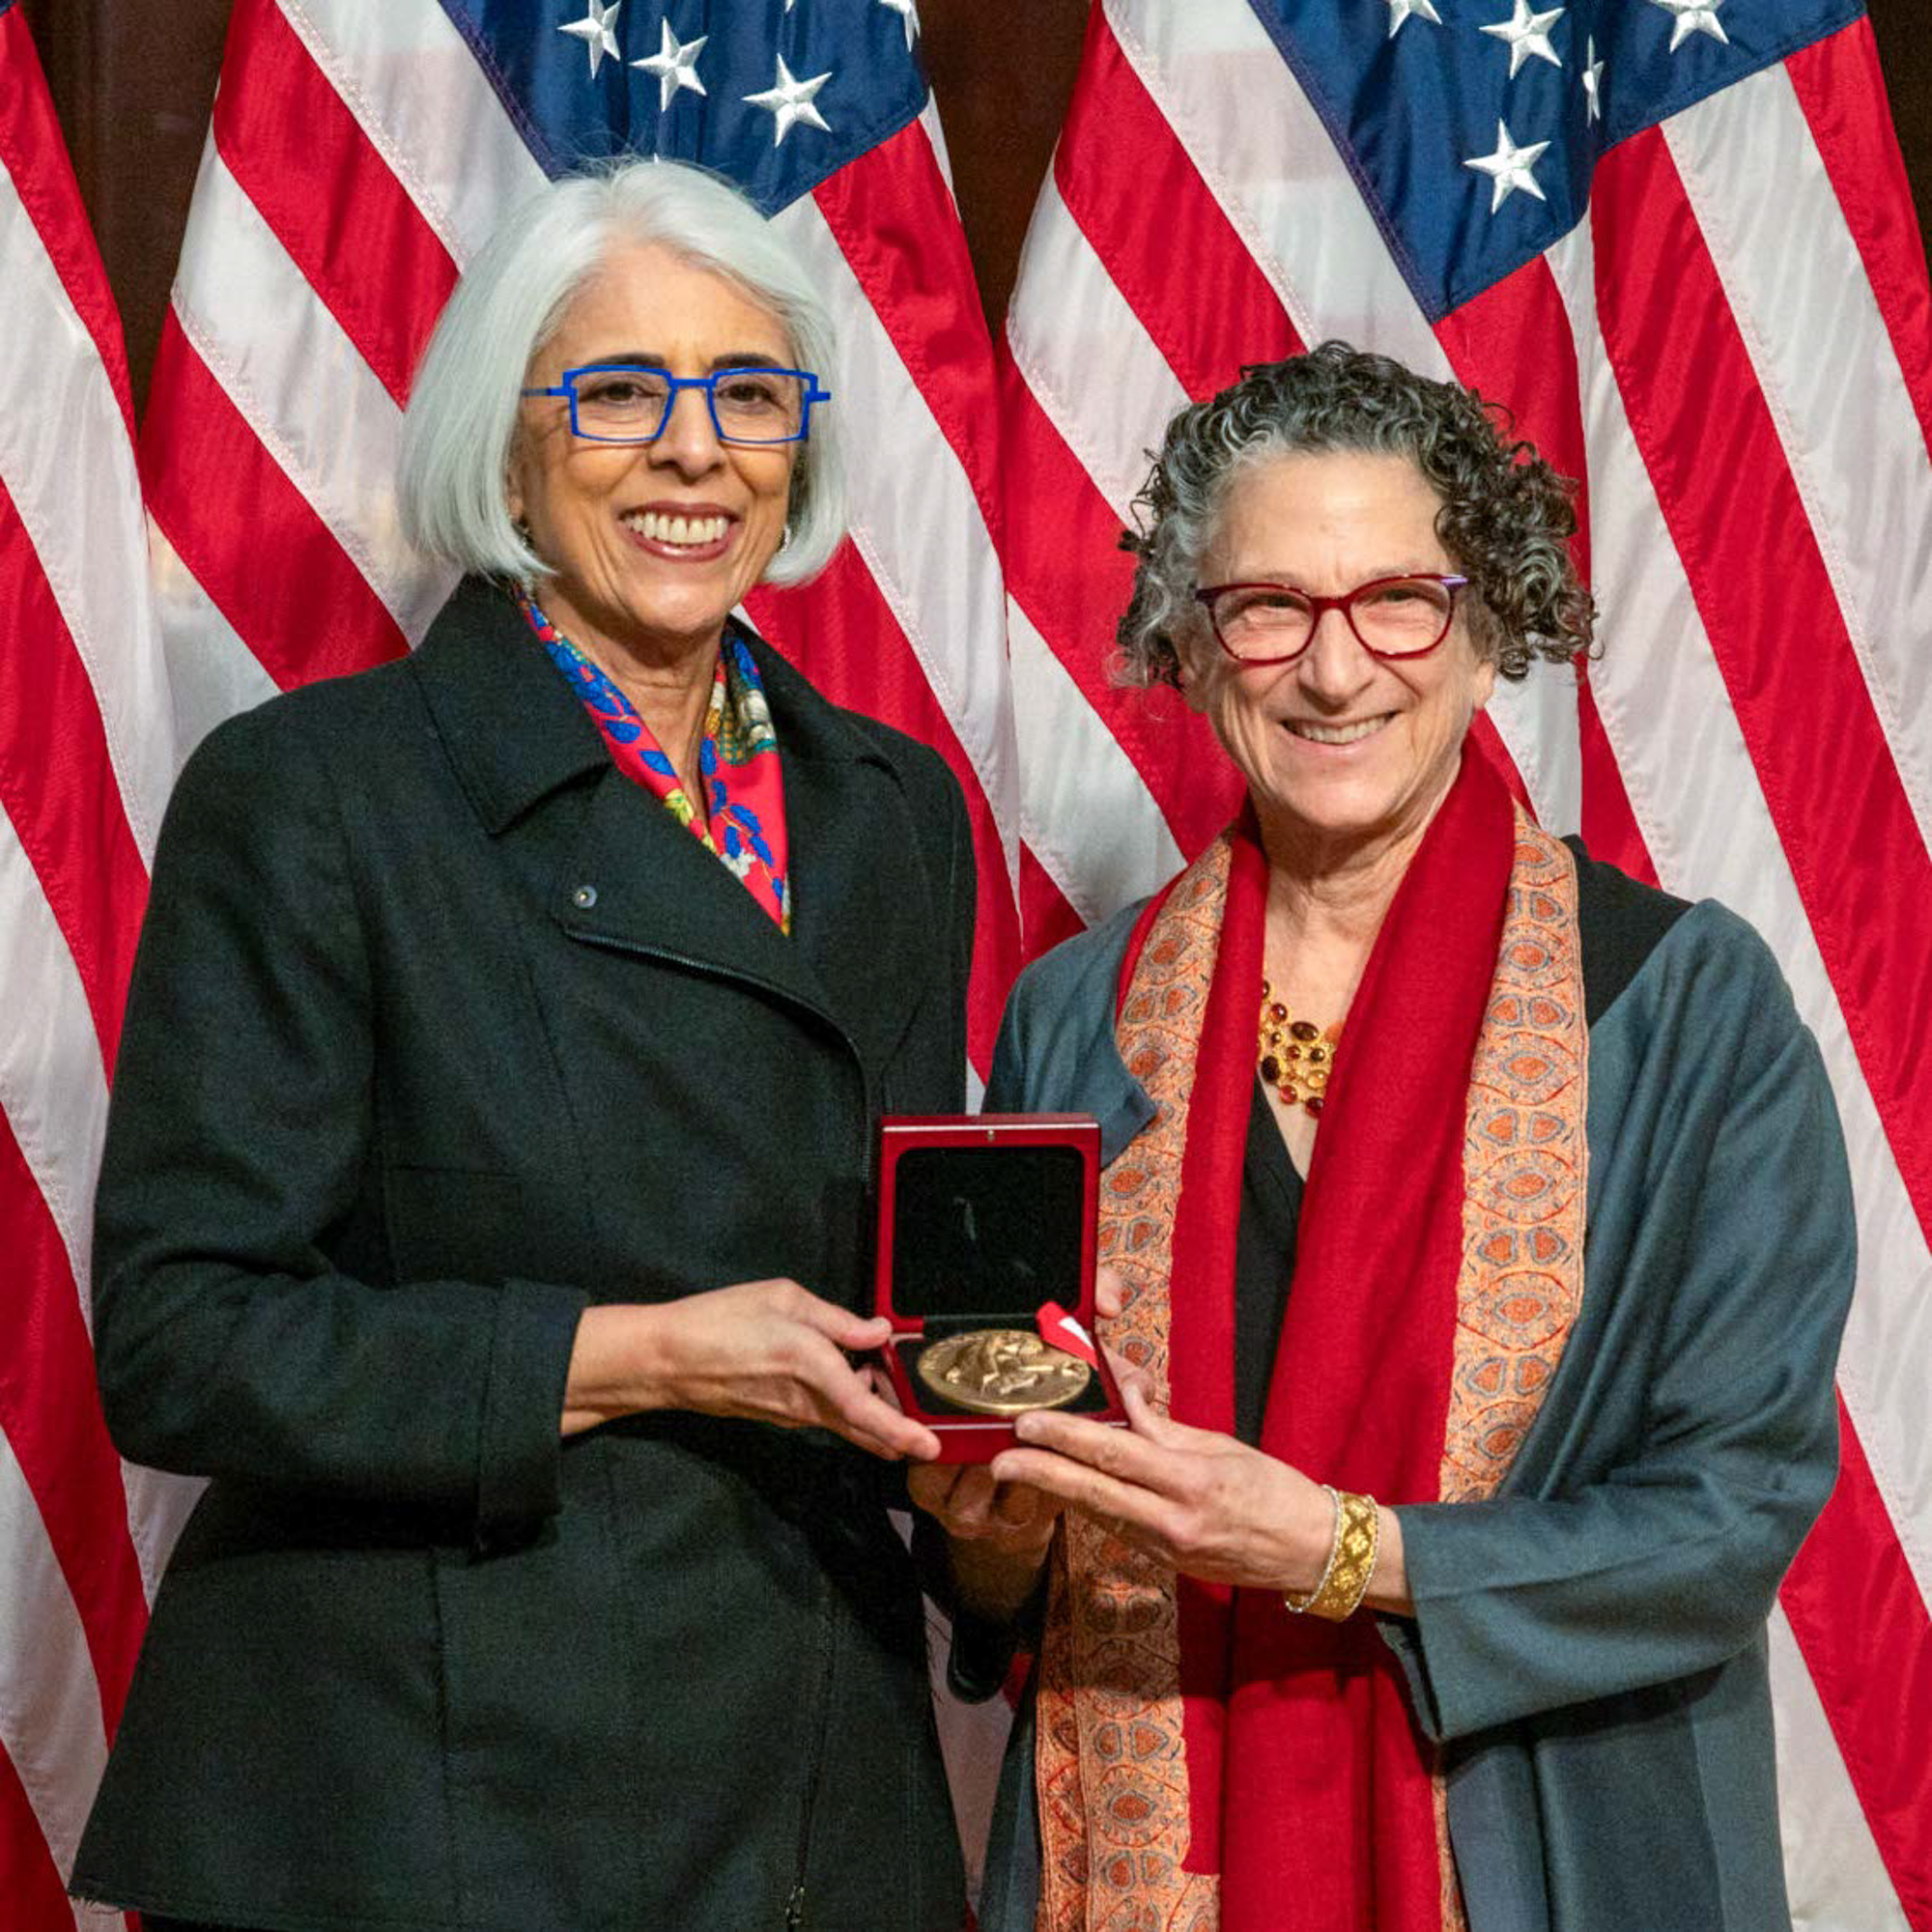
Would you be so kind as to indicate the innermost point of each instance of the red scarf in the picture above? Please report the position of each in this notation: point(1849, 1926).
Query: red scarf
point(1297, 1775)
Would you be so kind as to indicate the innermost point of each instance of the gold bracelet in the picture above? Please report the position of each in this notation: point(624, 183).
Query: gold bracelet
point(1351, 1559)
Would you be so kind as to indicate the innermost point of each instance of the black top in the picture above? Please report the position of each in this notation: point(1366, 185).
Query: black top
point(1272, 1189)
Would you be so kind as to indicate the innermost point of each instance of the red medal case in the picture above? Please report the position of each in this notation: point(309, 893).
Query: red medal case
point(983, 1218)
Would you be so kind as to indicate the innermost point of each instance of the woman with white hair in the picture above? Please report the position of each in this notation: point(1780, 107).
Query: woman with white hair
point(482, 1206)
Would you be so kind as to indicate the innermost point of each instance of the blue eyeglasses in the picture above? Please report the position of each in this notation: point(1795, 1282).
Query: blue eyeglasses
point(611, 402)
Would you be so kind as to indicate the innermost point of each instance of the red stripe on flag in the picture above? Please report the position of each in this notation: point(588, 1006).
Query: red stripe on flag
point(1852, 1599)
point(1762, 588)
point(35, 158)
point(841, 634)
point(1045, 917)
point(1842, 95)
point(1146, 211)
point(30, 1882)
point(58, 786)
point(1490, 743)
point(1512, 344)
point(291, 591)
point(893, 220)
point(51, 1416)
point(348, 224)
point(1065, 570)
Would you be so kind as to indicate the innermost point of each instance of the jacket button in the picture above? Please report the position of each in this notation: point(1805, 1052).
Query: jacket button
point(583, 898)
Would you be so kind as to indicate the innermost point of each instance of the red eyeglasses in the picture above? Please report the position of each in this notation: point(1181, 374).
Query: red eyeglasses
point(1274, 623)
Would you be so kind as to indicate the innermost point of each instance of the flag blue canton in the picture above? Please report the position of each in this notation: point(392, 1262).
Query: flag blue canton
point(1411, 109)
point(575, 102)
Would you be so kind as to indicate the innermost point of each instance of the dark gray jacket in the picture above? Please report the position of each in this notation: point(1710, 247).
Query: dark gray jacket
point(441, 1029)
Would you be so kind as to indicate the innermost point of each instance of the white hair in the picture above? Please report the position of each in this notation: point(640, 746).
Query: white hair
point(462, 416)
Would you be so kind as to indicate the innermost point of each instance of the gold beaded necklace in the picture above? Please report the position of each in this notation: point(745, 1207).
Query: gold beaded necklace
point(1295, 1057)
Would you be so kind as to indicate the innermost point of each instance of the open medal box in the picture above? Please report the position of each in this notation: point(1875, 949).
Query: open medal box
point(984, 1263)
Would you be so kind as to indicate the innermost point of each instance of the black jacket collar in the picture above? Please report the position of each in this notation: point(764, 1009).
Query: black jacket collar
point(635, 879)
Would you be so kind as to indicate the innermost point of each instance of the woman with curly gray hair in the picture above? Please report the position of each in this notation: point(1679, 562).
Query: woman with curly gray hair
point(1483, 1239)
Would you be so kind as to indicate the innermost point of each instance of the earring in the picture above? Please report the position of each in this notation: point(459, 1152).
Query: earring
point(784, 542)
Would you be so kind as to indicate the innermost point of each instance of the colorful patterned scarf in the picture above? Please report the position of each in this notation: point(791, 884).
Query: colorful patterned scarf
point(744, 785)
point(1206, 1759)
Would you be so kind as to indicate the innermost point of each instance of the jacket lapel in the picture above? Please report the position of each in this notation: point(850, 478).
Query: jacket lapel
point(865, 903)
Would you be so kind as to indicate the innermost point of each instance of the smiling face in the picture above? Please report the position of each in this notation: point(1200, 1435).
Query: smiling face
point(652, 543)
point(1345, 755)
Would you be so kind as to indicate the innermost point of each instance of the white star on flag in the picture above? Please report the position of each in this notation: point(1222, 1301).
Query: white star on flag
point(1593, 80)
point(1509, 167)
point(1528, 34)
point(594, 31)
point(788, 100)
point(1400, 11)
point(910, 15)
point(675, 64)
point(1694, 16)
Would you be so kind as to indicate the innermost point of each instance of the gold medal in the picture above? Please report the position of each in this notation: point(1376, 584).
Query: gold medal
point(1001, 1372)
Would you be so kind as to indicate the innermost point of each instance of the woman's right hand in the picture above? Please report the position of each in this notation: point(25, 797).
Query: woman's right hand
point(764, 1350)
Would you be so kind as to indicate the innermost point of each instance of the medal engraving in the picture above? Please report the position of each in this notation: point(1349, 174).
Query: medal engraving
point(1001, 1372)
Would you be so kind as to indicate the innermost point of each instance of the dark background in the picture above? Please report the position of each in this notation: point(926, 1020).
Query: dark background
point(133, 83)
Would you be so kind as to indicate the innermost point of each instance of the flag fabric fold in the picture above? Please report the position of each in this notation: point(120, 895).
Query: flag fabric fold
point(86, 758)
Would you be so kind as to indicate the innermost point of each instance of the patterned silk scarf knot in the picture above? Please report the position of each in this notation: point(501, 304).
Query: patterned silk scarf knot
point(744, 821)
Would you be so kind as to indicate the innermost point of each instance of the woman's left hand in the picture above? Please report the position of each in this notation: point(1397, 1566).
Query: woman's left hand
point(1207, 1505)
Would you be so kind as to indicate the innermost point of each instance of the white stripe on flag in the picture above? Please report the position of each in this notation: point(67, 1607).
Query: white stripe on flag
point(213, 673)
point(158, 1505)
point(50, 1723)
point(77, 494)
point(1537, 722)
point(303, 386)
point(1085, 815)
point(52, 1088)
point(928, 549)
point(935, 135)
point(412, 83)
point(1836, 1880)
point(1702, 813)
point(1826, 364)
point(1090, 364)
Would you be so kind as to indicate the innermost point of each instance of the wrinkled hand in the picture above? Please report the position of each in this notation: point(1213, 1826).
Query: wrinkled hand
point(764, 1350)
point(999, 1532)
point(1205, 1503)
point(1012, 1519)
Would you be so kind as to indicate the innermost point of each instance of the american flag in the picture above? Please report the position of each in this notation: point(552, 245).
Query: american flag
point(86, 758)
point(1674, 236)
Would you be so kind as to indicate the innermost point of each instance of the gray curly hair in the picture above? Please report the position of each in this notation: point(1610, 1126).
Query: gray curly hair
point(1506, 516)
